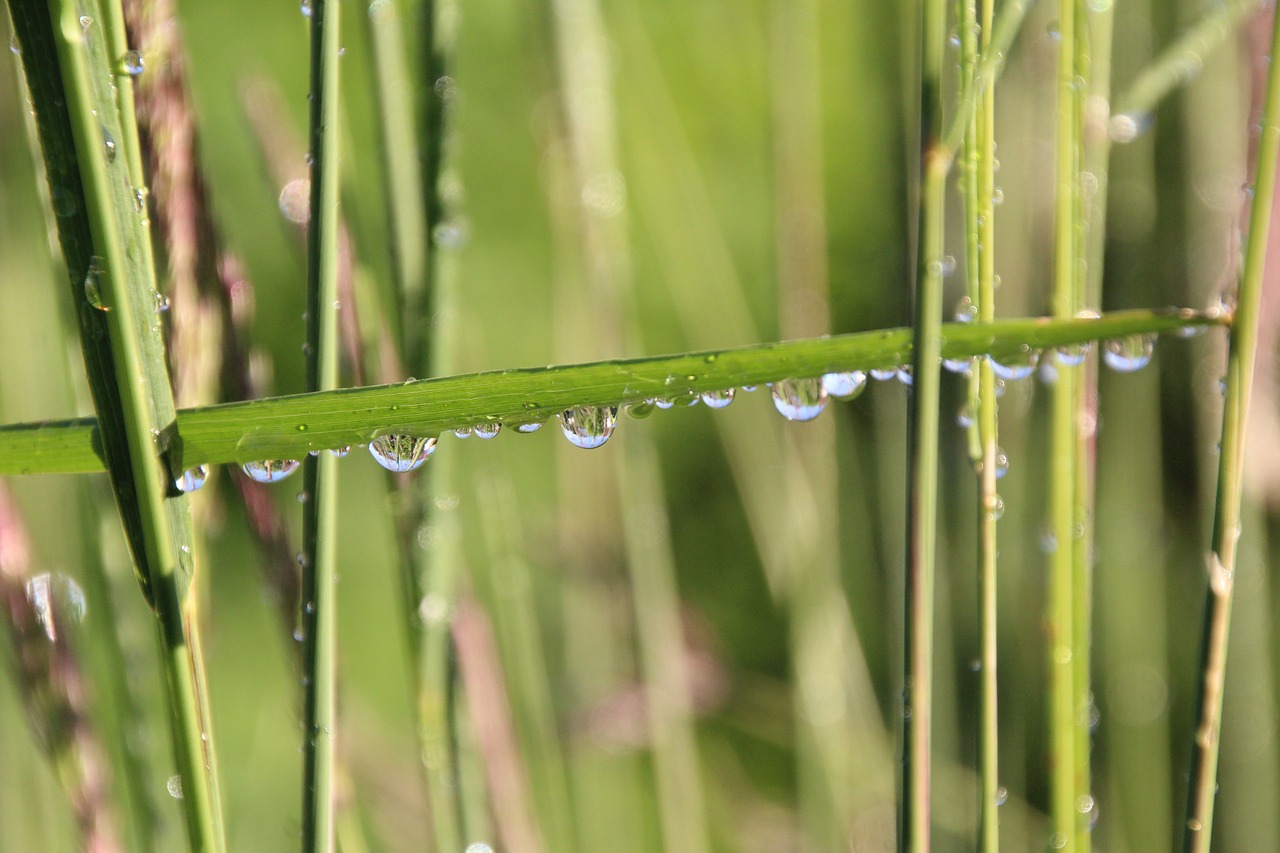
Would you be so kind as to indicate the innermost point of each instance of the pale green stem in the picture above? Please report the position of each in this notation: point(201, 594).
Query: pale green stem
point(1241, 358)
point(320, 473)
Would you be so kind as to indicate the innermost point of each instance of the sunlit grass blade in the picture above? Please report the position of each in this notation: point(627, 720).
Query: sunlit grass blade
point(1241, 359)
point(72, 75)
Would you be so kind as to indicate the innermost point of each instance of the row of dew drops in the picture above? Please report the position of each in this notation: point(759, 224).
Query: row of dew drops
point(795, 399)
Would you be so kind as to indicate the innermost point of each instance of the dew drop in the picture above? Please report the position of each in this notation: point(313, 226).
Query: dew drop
point(1084, 804)
point(401, 453)
point(1058, 840)
point(1018, 366)
point(295, 201)
point(55, 598)
point(133, 63)
point(161, 301)
point(964, 417)
point(462, 432)
point(997, 197)
point(966, 311)
point(664, 403)
point(488, 429)
point(883, 374)
point(1002, 795)
point(749, 388)
point(905, 375)
point(799, 399)
point(1002, 463)
point(305, 6)
point(718, 399)
point(948, 265)
point(844, 386)
point(93, 284)
point(532, 426)
point(174, 786)
point(478, 847)
point(109, 146)
point(1072, 355)
point(85, 22)
point(1130, 353)
point(589, 426)
point(192, 479)
point(340, 452)
point(1126, 127)
point(270, 470)
point(962, 366)
point(995, 511)
point(640, 410)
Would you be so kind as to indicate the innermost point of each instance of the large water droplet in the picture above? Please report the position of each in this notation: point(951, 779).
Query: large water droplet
point(1130, 353)
point(1002, 463)
point(340, 452)
point(174, 786)
point(531, 426)
point(401, 453)
point(589, 426)
point(270, 470)
point(641, 410)
point(964, 418)
point(966, 311)
point(488, 429)
point(665, 403)
point(799, 399)
point(844, 386)
point(906, 375)
point(963, 366)
point(883, 374)
point(56, 600)
point(192, 479)
point(1058, 840)
point(1002, 795)
point(463, 432)
point(133, 63)
point(718, 399)
point(93, 284)
point(1018, 366)
point(1072, 355)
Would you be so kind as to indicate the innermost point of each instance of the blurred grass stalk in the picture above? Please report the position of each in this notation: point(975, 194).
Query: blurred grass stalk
point(1241, 358)
point(81, 132)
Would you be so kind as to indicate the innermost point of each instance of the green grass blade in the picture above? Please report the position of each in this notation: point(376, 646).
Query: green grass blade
point(123, 350)
point(1241, 358)
point(320, 473)
point(289, 427)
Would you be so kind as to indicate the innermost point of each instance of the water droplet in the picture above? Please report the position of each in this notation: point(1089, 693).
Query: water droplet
point(749, 388)
point(1191, 331)
point(997, 197)
point(309, 607)
point(478, 847)
point(85, 22)
point(433, 608)
point(664, 403)
point(589, 426)
point(799, 399)
point(1072, 355)
point(975, 665)
point(1130, 353)
point(532, 426)
point(718, 399)
point(883, 374)
point(1048, 542)
point(109, 145)
point(192, 479)
point(161, 301)
point(844, 386)
point(340, 452)
point(1057, 841)
point(966, 311)
point(56, 599)
point(462, 432)
point(1002, 463)
point(905, 375)
point(452, 233)
point(133, 63)
point(964, 417)
point(962, 366)
point(174, 786)
point(948, 265)
point(93, 284)
point(14, 48)
point(270, 470)
point(295, 201)
point(1002, 795)
point(640, 410)
point(1194, 825)
point(305, 6)
point(302, 497)
point(488, 429)
point(140, 199)
point(1126, 127)
point(1084, 804)
point(401, 453)
point(1053, 32)
point(1018, 366)
point(995, 510)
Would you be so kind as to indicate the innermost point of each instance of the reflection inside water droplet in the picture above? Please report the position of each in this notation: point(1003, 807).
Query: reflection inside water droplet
point(489, 429)
point(270, 470)
point(174, 786)
point(589, 427)
point(718, 399)
point(1128, 354)
point(1017, 366)
point(401, 453)
point(56, 600)
point(799, 399)
point(192, 479)
point(844, 386)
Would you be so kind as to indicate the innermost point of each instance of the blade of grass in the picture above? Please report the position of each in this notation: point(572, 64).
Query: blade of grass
point(1004, 28)
point(269, 428)
point(320, 473)
point(1241, 358)
point(922, 445)
point(128, 379)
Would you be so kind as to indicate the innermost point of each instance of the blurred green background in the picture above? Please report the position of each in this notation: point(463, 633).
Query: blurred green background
point(745, 135)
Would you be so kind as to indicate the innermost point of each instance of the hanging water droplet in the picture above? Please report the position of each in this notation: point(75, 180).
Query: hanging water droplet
point(948, 265)
point(997, 197)
point(883, 374)
point(799, 399)
point(665, 403)
point(995, 509)
point(295, 201)
point(975, 665)
point(108, 146)
point(1129, 353)
point(452, 233)
point(93, 284)
point(340, 452)
point(962, 366)
point(1002, 463)
point(140, 199)
point(305, 6)
point(1072, 355)
point(749, 388)
point(56, 599)
point(478, 847)
point(718, 399)
point(1084, 804)
point(844, 386)
point(270, 470)
point(966, 311)
point(192, 479)
point(964, 417)
point(531, 426)
point(1058, 840)
point(1017, 366)
point(1047, 373)
point(488, 429)
point(589, 426)
point(905, 375)
point(1002, 795)
point(1126, 127)
point(161, 301)
point(1048, 542)
point(401, 453)
point(640, 410)
point(462, 432)
point(133, 63)
point(85, 22)
point(174, 786)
